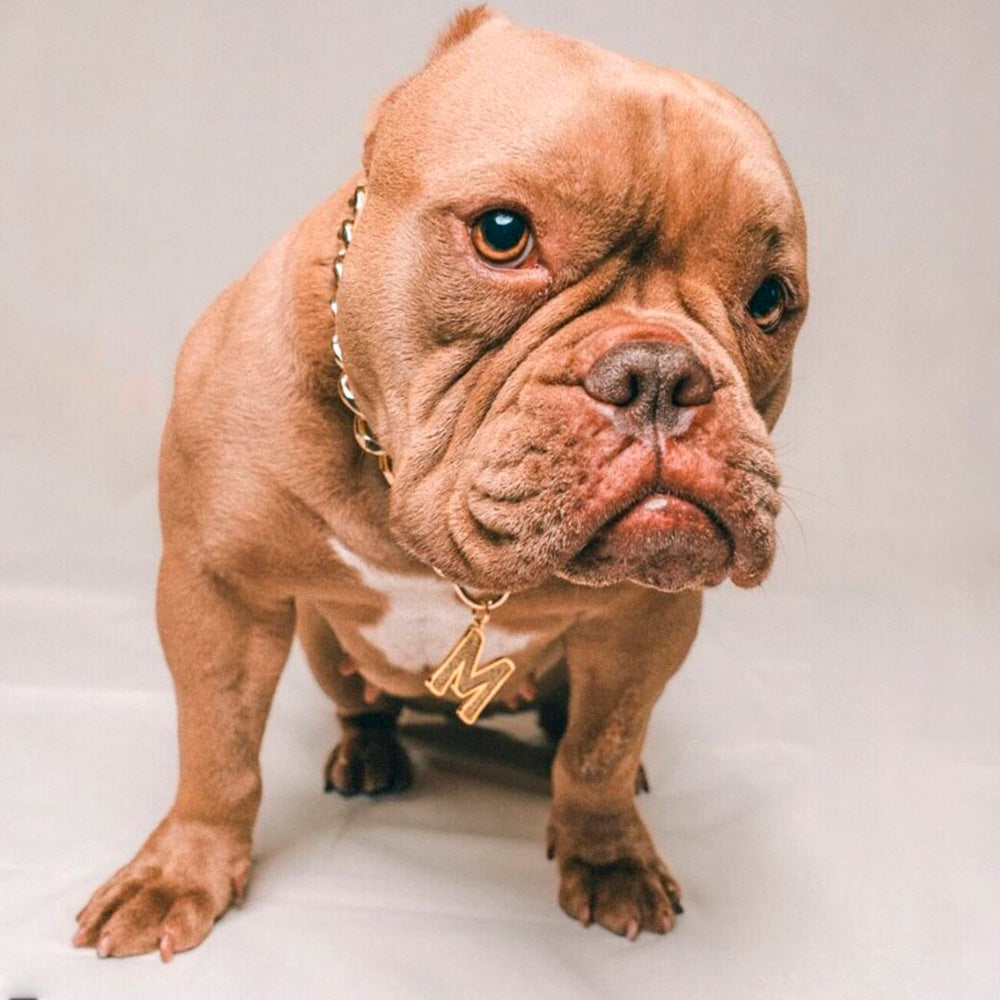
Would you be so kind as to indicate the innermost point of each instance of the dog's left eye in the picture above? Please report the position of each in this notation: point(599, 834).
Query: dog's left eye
point(502, 238)
point(767, 304)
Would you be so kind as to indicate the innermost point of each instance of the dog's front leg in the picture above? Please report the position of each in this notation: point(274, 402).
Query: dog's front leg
point(609, 869)
point(226, 650)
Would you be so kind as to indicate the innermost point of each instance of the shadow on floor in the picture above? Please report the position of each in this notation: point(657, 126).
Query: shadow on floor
point(510, 759)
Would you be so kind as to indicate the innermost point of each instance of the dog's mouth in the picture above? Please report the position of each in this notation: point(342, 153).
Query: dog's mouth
point(655, 517)
point(663, 538)
point(586, 504)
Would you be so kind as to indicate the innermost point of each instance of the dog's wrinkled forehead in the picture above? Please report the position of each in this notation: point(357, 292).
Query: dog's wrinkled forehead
point(524, 114)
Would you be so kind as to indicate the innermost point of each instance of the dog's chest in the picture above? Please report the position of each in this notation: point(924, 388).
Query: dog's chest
point(423, 619)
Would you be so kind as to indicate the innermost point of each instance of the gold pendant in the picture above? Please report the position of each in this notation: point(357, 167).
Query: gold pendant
point(461, 673)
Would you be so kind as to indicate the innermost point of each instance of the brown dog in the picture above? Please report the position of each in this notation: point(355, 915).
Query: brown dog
point(567, 313)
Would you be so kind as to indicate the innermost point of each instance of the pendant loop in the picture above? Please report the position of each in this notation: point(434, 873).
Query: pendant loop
point(490, 604)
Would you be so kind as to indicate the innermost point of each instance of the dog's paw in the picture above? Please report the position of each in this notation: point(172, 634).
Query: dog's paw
point(610, 874)
point(169, 896)
point(368, 759)
point(627, 897)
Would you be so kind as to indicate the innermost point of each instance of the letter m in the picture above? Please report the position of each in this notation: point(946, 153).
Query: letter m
point(461, 673)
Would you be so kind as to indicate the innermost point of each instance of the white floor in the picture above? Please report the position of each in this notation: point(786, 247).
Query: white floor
point(824, 783)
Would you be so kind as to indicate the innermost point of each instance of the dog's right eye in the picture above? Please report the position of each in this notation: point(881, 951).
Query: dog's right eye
point(502, 238)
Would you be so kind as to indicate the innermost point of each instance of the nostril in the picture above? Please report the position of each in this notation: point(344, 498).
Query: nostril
point(614, 380)
point(694, 387)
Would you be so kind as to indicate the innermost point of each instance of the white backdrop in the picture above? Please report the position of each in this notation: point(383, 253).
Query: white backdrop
point(826, 768)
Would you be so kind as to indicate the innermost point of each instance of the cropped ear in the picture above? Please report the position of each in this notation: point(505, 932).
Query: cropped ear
point(464, 23)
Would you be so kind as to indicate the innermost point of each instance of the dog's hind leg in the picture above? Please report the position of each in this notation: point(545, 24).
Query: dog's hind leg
point(553, 713)
point(369, 758)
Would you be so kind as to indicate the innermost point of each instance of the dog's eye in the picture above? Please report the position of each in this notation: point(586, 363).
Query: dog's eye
point(767, 304)
point(502, 237)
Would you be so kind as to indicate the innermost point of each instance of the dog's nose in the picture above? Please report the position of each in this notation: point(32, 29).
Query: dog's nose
point(653, 382)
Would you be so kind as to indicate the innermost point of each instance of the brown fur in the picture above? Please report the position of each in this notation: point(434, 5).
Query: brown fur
point(659, 203)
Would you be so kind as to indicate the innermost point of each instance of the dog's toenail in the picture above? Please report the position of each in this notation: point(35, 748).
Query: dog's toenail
point(166, 947)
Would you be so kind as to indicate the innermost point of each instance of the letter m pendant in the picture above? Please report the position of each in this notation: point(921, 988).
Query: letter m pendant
point(461, 673)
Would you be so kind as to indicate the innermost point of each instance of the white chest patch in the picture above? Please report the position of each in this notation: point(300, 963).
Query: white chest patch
point(424, 620)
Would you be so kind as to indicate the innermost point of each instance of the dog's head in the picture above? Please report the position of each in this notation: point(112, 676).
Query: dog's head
point(568, 312)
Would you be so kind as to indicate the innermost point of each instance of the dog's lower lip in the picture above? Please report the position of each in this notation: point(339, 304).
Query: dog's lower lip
point(658, 503)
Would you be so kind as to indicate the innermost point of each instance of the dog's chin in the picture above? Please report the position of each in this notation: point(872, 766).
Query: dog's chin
point(664, 541)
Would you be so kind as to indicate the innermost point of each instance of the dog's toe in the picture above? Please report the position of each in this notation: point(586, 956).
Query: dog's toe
point(169, 896)
point(627, 897)
point(370, 761)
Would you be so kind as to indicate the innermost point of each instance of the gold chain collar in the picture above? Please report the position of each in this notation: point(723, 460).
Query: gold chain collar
point(367, 441)
point(460, 671)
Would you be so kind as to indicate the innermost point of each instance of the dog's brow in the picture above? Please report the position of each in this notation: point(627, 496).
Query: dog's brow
point(766, 234)
point(777, 244)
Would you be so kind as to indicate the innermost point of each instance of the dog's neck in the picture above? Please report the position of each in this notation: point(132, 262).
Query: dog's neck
point(333, 225)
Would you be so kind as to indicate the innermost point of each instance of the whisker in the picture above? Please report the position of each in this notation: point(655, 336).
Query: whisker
point(787, 447)
point(806, 493)
point(827, 502)
point(789, 500)
point(798, 522)
point(749, 469)
point(781, 543)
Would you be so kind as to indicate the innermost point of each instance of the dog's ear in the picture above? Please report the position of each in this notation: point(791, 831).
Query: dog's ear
point(463, 24)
